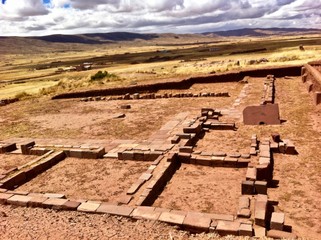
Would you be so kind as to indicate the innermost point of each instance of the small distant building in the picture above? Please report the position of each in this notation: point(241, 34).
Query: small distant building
point(84, 66)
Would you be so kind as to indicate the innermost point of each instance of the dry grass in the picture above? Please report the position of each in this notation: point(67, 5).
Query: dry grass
point(20, 67)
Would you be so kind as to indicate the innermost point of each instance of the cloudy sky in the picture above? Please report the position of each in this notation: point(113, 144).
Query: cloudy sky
point(44, 17)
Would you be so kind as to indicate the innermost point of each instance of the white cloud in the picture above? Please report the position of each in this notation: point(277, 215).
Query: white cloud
point(32, 17)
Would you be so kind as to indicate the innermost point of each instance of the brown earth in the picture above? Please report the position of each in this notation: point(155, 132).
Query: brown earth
point(44, 118)
point(298, 191)
point(8, 161)
point(33, 223)
point(203, 189)
point(102, 180)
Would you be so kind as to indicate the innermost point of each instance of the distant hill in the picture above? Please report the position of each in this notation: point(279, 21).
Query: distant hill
point(96, 38)
point(263, 32)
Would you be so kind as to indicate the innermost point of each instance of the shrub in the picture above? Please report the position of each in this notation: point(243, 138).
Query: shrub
point(101, 75)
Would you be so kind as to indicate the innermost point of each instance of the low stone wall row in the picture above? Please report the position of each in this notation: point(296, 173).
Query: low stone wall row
point(30, 171)
point(269, 90)
point(137, 96)
point(312, 79)
point(4, 102)
point(186, 83)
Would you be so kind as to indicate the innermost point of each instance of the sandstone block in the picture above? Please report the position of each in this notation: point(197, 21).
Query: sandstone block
point(225, 228)
point(197, 222)
point(247, 187)
point(115, 210)
point(172, 218)
point(88, 207)
point(277, 221)
point(246, 230)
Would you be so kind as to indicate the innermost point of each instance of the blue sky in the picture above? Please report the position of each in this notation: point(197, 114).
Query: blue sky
point(43, 17)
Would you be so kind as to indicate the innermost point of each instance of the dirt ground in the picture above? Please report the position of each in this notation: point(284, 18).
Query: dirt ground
point(44, 118)
point(8, 161)
point(101, 180)
point(203, 189)
point(298, 191)
point(224, 141)
point(33, 223)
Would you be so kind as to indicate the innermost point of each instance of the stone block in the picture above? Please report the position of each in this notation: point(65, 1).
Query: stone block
point(289, 147)
point(134, 188)
point(175, 139)
point(277, 234)
point(230, 162)
point(234, 155)
point(203, 160)
point(186, 149)
point(274, 147)
point(145, 176)
point(225, 228)
point(115, 210)
point(263, 172)
point(246, 230)
point(265, 153)
point(244, 202)
point(247, 187)
point(54, 203)
point(277, 221)
point(19, 200)
point(197, 222)
point(184, 157)
point(245, 156)
point(244, 213)
point(145, 213)
point(217, 161)
point(317, 98)
point(281, 147)
point(219, 154)
point(127, 155)
point(124, 200)
point(88, 207)
point(157, 160)
point(4, 197)
point(259, 232)
point(253, 151)
point(260, 218)
point(260, 187)
point(261, 115)
point(242, 163)
point(70, 205)
point(264, 160)
point(8, 147)
point(172, 218)
point(54, 195)
point(25, 147)
point(154, 155)
point(120, 155)
point(15, 180)
point(37, 201)
point(138, 156)
point(309, 86)
point(251, 174)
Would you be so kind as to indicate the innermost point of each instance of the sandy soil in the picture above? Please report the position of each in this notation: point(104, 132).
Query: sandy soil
point(8, 161)
point(299, 186)
point(103, 180)
point(224, 141)
point(32, 223)
point(75, 119)
point(203, 189)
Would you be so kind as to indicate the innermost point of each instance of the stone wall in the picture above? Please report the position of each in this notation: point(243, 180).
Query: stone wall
point(186, 83)
point(311, 77)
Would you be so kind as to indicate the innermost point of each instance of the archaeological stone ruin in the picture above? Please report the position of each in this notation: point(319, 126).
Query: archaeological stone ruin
point(174, 145)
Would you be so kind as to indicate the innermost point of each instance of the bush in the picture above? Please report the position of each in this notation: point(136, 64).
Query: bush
point(22, 95)
point(101, 75)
